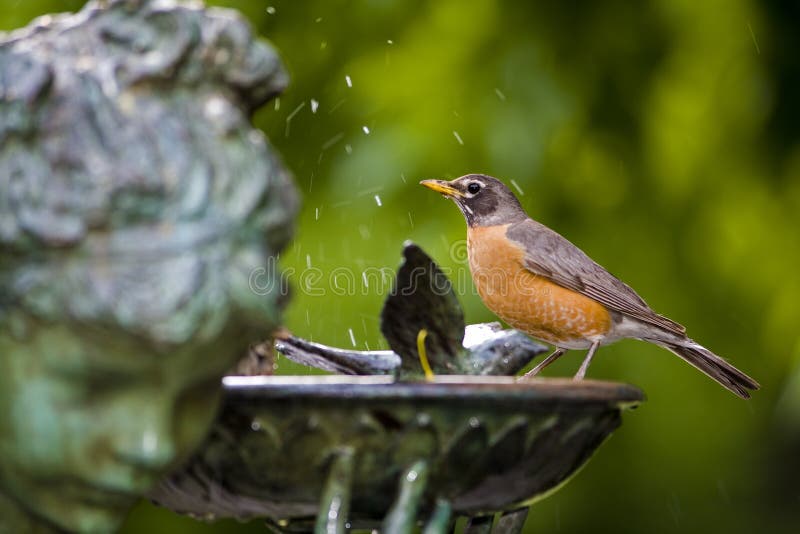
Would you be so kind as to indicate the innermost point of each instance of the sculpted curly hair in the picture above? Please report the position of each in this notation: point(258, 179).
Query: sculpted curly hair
point(133, 189)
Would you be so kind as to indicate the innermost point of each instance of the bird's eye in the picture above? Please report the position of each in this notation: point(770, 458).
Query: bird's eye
point(474, 187)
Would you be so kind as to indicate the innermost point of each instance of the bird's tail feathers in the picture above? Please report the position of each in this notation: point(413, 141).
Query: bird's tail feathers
point(712, 365)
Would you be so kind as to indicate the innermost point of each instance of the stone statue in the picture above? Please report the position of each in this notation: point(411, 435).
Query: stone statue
point(135, 200)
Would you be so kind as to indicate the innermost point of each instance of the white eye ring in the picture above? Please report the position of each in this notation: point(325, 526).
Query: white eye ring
point(474, 188)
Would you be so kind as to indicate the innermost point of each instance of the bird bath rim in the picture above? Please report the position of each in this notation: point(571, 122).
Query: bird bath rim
point(496, 388)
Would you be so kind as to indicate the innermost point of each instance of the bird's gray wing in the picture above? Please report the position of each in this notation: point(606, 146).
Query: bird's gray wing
point(552, 256)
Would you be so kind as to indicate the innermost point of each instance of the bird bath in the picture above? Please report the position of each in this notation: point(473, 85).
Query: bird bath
point(390, 449)
point(369, 451)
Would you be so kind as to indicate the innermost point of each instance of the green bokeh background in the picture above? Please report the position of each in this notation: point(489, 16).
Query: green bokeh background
point(660, 136)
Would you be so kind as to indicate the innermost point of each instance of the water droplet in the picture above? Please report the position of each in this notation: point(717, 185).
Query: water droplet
point(412, 476)
point(390, 41)
point(474, 422)
point(499, 94)
point(517, 187)
point(336, 106)
point(378, 200)
point(458, 138)
point(314, 106)
point(308, 261)
point(366, 129)
point(318, 19)
point(348, 80)
point(255, 426)
point(365, 279)
point(403, 177)
point(323, 45)
point(410, 220)
point(332, 141)
point(292, 115)
point(352, 336)
point(277, 104)
point(348, 149)
point(295, 111)
point(271, 10)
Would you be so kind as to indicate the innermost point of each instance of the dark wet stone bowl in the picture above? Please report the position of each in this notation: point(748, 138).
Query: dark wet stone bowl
point(492, 443)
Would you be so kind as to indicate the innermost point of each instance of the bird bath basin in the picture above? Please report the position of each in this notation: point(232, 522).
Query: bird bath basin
point(366, 451)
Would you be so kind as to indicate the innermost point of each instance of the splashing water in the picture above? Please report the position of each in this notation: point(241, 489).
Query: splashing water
point(292, 115)
point(332, 141)
point(336, 106)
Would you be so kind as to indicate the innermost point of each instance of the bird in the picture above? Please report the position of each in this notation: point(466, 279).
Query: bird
point(540, 283)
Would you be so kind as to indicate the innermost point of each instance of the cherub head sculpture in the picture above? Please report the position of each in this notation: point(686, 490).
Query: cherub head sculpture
point(135, 201)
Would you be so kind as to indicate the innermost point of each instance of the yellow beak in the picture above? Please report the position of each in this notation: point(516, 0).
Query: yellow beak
point(443, 187)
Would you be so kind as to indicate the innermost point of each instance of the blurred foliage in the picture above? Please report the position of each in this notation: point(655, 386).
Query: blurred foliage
point(661, 136)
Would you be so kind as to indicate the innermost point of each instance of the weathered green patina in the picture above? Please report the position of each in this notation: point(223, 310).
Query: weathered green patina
point(135, 201)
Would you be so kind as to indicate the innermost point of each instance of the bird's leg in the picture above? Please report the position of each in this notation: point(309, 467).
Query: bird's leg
point(544, 363)
point(586, 361)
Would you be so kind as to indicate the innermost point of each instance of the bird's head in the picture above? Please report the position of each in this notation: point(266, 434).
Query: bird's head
point(484, 201)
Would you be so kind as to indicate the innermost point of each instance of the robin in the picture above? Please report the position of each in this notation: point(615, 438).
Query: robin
point(540, 283)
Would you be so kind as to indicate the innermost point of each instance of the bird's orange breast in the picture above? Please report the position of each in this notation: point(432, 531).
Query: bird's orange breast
point(526, 301)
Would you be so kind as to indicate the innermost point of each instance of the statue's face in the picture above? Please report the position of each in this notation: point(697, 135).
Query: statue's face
point(90, 420)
